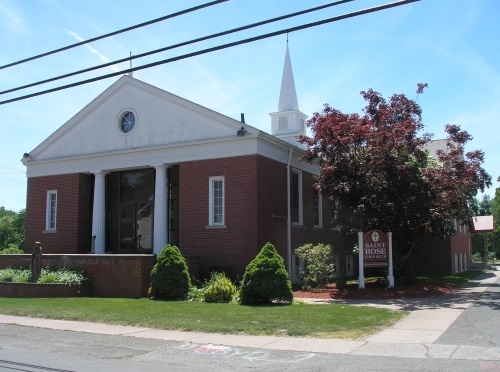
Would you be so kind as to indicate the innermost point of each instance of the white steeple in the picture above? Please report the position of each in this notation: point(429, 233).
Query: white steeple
point(288, 122)
point(288, 96)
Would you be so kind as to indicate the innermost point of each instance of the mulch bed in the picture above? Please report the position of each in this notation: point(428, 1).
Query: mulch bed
point(374, 289)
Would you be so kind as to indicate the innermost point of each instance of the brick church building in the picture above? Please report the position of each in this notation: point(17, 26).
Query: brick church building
point(138, 168)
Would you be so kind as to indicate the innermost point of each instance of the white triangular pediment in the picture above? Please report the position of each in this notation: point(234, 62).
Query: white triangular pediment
point(162, 119)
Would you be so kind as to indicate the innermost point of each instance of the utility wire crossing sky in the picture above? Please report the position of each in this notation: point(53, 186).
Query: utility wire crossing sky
point(448, 44)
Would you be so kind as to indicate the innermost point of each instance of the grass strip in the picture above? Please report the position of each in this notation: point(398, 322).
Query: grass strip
point(321, 321)
point(457, 279)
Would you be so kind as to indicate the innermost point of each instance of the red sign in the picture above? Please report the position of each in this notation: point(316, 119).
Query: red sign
point(375, 249)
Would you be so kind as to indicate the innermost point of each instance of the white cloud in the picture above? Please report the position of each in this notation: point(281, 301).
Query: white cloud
point(93, 50)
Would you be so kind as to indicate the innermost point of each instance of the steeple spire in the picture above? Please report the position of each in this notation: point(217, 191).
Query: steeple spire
point(288, 122)
point(288, 96)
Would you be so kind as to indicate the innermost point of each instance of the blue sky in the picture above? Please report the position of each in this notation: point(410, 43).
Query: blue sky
point(452, 45)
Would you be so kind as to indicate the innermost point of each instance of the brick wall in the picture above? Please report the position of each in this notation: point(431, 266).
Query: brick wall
point(228, 248)
point(308, 233)
point(271, 200)
point(112, 275)
point(460, 244)
point(255, 190)
point(432, 257)
point(436, 257)
point(73, 213)
point(25, 290)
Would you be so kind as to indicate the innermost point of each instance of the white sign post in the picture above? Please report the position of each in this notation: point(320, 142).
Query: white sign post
point(391, 275)
point(361, 278)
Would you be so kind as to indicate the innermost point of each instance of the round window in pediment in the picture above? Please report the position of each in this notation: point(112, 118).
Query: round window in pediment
point(127, 122)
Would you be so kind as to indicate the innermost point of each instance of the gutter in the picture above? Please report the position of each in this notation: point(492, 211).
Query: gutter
point(289, 216)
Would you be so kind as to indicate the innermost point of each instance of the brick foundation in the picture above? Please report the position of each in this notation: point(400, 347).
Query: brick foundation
point(35, 290)
point(112, 275)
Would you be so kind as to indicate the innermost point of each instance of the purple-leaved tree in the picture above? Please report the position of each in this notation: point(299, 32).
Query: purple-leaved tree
point(377, 169)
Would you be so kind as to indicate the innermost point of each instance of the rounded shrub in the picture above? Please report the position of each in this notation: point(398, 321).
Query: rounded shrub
point(319, 265)
point(266, 279)
point(169, 277)
point(219, 288)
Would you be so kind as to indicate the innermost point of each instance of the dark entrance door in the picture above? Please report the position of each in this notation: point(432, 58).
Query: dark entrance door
point(136, 227)
point(131, 207)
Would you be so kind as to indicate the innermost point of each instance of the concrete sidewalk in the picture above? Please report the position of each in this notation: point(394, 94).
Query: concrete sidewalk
point(412, 337)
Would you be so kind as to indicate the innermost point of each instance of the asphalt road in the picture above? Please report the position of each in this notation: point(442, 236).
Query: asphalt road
point(38, 349)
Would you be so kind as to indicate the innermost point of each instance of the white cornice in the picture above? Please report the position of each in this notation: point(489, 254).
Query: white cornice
point(259, 143)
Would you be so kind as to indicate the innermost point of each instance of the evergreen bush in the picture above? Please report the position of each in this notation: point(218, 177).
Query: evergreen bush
point(169, 277)
point(266, 279)
point(219, 288)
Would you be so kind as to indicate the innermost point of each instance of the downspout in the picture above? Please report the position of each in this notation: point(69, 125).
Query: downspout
point(289, 216)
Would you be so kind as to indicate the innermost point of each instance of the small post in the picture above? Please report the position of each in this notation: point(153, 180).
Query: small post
point(485, 245)
point(391, 268)
point(361, 278)
point(36, 262)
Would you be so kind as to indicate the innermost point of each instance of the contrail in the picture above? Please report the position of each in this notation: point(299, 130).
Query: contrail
point(93, 50)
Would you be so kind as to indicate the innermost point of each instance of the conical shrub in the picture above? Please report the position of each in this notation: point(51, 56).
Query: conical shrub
point(169, 277)
point(266, 279)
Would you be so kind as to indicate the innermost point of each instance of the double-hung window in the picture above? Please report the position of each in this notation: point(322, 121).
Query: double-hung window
point(296, 197)
point(216, 201)
point(317, 208)
point(51, 211)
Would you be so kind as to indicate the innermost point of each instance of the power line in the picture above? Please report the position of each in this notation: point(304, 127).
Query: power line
point(14, 169)
point(115, 33)
point(227, 32)
point(220, 47)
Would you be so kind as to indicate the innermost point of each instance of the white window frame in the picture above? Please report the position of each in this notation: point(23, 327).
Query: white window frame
point(300, 222)
point(51, 218)
point(211, 221)
point(320, 208)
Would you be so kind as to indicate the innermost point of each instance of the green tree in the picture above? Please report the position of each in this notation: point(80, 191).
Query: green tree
point(169, 277)
point(266, 279)
point(11, 228)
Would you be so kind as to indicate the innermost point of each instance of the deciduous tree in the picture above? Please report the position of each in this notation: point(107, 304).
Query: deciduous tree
point(377, 168)
point(11, 228)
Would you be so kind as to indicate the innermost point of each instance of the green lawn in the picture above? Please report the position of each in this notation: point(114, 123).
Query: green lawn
point(458, 279)
point(322, 321)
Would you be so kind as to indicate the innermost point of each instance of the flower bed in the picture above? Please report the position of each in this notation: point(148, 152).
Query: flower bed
point(374, 290)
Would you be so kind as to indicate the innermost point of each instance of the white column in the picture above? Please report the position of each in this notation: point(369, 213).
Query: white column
point(99, 213)
point(160, 237)
point(361, 278)
point(391, 267)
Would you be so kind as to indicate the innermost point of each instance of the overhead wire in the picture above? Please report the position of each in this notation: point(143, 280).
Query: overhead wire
point(216, 48)
point(176, 14)
point(174, 46)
